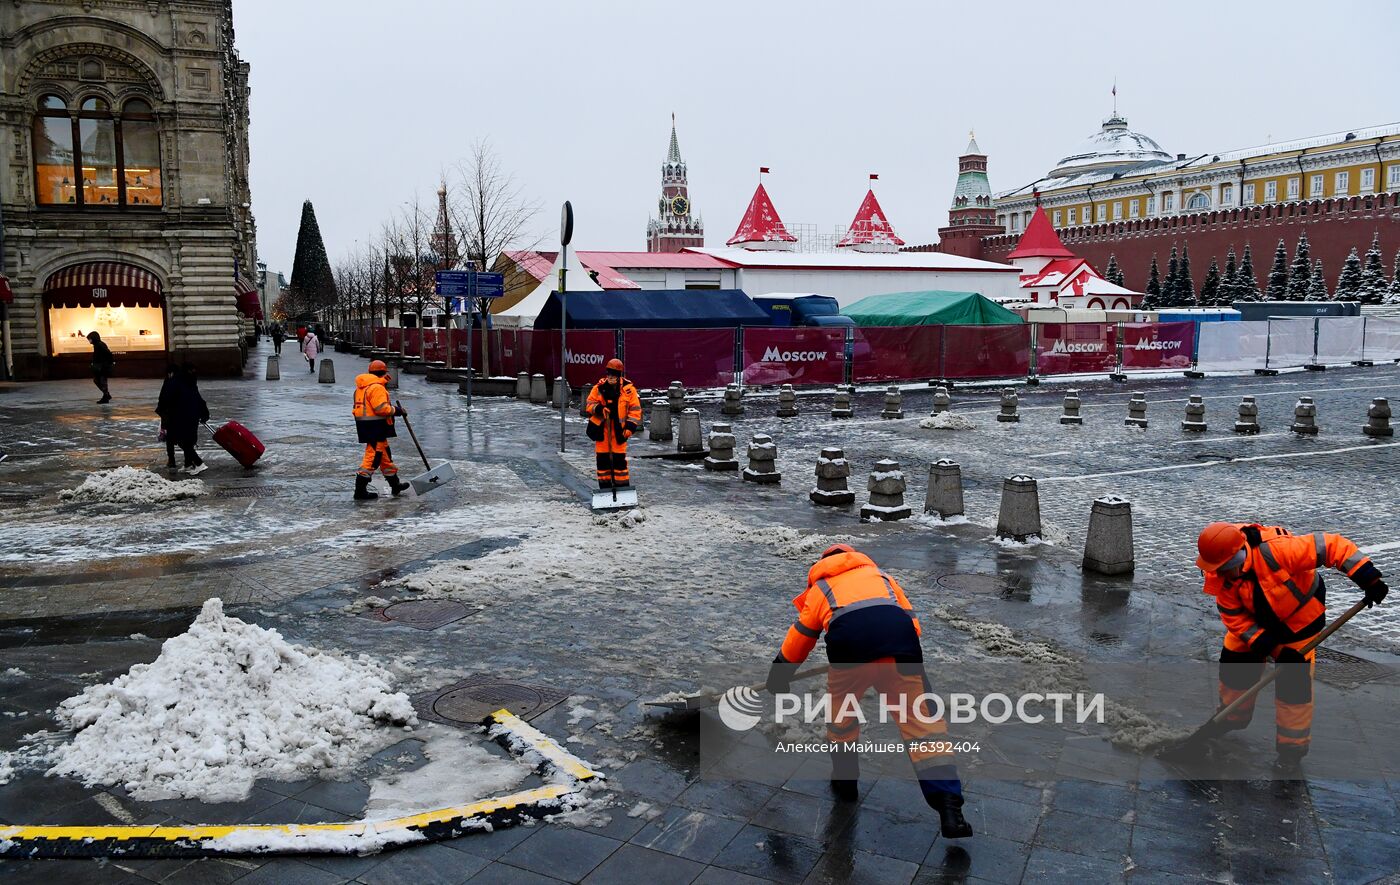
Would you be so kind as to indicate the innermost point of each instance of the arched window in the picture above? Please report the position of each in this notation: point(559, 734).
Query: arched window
point(1198, 201)
point(93, 157)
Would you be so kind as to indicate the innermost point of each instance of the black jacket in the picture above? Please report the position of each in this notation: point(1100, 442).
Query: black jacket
point(102, 359)
point(181, 408)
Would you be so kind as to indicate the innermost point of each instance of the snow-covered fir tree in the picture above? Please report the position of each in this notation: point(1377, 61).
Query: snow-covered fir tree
point(1113, 273)
point(1246, 284)
point(1300, 273)
point(1394, 296)
point(1373, 282)
point(1185, 285)
point(1210, 287)
point(1169, 283)
point(1154, 280)
point(1317, 286)
point(1277, 288)
point(1349, 283)
point(1229, 281)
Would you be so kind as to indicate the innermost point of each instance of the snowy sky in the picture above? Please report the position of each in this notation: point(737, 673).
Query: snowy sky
point(364, 108)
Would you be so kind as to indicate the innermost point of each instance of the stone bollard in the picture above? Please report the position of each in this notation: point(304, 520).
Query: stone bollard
point(1137, 411)
point(1008, 405)
point(1019, 517)
point(539, 391)
point(787, 402)
point(688, 432)
point(583, 400)
point(887, 488)
point(945, 493)
point(1108, 549)
point(327, 375)
point(274, 369)
point(841, 407)
point(941, 400)
point(733, 401)
point(1378, 418)
point(832, 471)
point(660, 427)
point(894, 404)
point(721, 455)
point(1195, 414)
point(392, 381)
point(1248, 422)
point(560, 395)
point(763, 452)
point(522, 385)
point(1304, 417)
point(675, 397)
point(1072, 404)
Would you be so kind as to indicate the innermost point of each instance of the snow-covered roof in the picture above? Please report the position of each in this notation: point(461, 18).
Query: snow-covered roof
point(1075, 273)
point(849, 260)
point(1113, 145)
point(870, 226)
point(1040, 240)
point(1283, 147)
point(761, 223)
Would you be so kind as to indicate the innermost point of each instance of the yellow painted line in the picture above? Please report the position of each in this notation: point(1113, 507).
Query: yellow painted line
point(545, 746)
point(354, 828)
point(75, 833)
point(476, 809)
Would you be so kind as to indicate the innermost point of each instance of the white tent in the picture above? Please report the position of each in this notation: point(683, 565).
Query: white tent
point(522, 314)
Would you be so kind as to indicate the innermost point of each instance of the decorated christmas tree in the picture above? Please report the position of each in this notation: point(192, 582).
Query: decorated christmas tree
point(1300, 273)
point(312, 287)
point(1277, 289)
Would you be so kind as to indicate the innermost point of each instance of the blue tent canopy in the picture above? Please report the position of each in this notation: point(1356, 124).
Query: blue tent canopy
point(654, 309)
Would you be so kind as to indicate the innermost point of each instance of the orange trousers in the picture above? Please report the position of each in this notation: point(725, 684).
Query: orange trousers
point(1293, 691)
point(377, 457)
point(897, 684)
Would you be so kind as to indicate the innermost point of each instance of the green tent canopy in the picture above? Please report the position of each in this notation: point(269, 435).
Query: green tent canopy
point(932, 308)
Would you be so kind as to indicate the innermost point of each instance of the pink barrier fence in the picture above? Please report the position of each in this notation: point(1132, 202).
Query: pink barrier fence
point(694, 357)
point(1157, 345)
point(794, 356)
point(1072, 348)
point(986, 351)
point(897, 353)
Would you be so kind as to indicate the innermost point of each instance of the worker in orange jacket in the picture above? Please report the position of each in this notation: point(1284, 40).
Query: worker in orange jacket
point(614, 414)
point(374, 423)
point(1270, 595)
point(872, 641)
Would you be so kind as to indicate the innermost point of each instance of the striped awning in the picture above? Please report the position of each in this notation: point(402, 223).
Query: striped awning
point(248, 302)
point(7, 294)
point(99, 283)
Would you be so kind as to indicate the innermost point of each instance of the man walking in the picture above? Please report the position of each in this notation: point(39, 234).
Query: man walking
point(872, 641)
point(1271, 598)
point(278, 336)
point(614, 414)
point(102, 365)
point(374, 423)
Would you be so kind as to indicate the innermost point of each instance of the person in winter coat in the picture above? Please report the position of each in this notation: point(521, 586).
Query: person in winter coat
point(102, 365)
point(278, 336)
point(374, 424)
point(614, 414)
point(182, 409)
point(310, 346)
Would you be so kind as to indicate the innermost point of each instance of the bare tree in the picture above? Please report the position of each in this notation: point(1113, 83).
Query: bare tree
point(489, 208)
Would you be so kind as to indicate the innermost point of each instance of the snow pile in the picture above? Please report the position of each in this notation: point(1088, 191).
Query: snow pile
point(7, 770)
point(227, 703)
point(249, 841)
point(947, 421)
point(132, 485)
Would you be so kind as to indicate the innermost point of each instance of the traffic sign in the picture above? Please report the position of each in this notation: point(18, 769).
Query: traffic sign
point(454, 277)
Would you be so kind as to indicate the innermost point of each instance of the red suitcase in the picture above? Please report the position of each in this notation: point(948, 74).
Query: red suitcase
point(239, 442)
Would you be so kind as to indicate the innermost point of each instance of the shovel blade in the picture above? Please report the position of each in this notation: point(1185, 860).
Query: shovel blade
point(614, 499)
point(439, 476)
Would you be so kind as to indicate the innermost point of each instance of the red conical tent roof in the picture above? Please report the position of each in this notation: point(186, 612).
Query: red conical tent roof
point(1040, 240)
point(760, 223)
point(870, 225)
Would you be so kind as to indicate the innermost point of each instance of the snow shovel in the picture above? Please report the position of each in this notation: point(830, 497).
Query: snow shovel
point(704, 701)
point(613, 497)
point(1206, 733)
point(437, 476)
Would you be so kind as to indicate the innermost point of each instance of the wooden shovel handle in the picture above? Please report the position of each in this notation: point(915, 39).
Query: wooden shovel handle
point(413, 436)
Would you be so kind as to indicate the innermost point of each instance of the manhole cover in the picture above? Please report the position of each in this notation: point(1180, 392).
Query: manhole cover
point(1340, 668)
point(472, 700)
point(423, 614)
point(975, 583)
point(246, 492)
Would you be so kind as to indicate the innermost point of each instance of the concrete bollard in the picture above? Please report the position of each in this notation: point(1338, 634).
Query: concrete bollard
point(1248, 421)
point(721, 455)
point(539, 391)
point(894, 404)
point(1378, 418)
point(392, 383)
point(1304, 417)
point(1008, 405)
point(841, 407)
point(763, 453)
point(659, 429)
point(688, 432)
point(522, 385)
point(787, 402)
point(832, 472)
point(1137, 411)
point(887, 487)
point(1195, 414)
point(733, 401)
point(327, 375)
point(675, 397)
point(1019, 517)
point(945, 492)
point(942, 401)
point(1072, 404)
point(1108, 549)
point(560, 395)
point(274, 369)
point(583, 400)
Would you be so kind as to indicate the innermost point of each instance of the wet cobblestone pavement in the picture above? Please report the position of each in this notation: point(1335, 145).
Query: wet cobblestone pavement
point(608, 615)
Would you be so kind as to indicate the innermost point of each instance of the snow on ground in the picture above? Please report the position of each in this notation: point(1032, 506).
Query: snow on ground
point(947, 421)
point(7, 770)
point(226, 703)
point(458, 772)
point(249, 841)
point(132, 485)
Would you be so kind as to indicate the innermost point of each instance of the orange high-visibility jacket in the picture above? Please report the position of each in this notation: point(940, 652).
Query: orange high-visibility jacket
point(372, 400)
point(1287, 570)
point(862, 610)
point(629, 409)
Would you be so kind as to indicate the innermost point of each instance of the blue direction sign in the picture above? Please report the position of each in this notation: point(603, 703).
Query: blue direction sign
point(454, 282)
point(468, 283)
point(489, 285)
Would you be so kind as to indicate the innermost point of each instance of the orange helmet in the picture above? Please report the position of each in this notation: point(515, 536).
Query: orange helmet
point(615, 365)
point(377, 366)
point(837, 548)
point(1217, 543)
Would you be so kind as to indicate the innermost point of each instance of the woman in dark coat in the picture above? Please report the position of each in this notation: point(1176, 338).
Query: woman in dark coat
point(182, 409)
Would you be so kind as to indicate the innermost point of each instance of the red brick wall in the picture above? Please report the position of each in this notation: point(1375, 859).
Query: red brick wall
point(1333, 228)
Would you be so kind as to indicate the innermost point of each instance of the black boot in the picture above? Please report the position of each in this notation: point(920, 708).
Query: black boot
point(845, 775)
point(395, 485)
point(362, 492)
point(1290, 758)
point(950, 816)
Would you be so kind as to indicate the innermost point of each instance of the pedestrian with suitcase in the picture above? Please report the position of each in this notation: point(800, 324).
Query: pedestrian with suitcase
point(182, 409)
point(310, 346)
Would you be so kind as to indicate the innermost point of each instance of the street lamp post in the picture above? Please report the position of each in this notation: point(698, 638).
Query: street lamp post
point(566, 233)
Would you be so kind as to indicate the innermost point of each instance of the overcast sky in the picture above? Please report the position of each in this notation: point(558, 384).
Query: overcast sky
point(359, 105)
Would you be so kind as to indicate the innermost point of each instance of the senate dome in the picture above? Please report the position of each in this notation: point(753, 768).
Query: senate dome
point(1113, 147)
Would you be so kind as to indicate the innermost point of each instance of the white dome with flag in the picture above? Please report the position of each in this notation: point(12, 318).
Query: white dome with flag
point(1113, 146)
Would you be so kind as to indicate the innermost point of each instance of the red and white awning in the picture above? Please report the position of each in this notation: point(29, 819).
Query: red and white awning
point(248, 302)
point(102, 283)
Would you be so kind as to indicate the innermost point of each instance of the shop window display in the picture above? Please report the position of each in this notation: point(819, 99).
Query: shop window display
point(96, 157)
point(126, 329)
